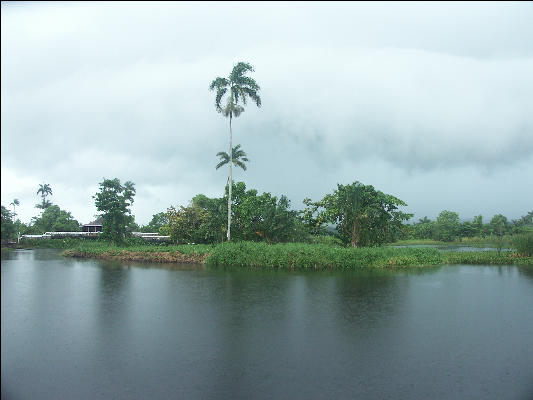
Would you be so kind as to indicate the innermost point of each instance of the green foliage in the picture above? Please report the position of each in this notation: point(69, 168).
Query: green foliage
point(53, 219)
point(447, 226)
point(523, 224)
point(239, 158)
point(188, 224)
point(114, 200)
point(203, 221)
point(7, 226)
point(307, 256)
point(524, 243)
point(44, 190)
point(264, 217)
point(158, 220)
point(485, 258)
point(363, 216)
point(324, 239)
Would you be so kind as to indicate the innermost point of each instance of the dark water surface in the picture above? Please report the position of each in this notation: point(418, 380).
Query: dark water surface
point(88, 329)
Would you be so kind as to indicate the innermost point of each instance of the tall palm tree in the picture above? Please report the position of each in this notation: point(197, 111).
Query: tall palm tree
point(44, 190)
point(14, 203)
point(238, 87)
point(238, 157)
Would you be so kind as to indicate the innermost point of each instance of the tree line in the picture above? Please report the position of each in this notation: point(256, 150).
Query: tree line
point(448, 227)
point(355, 215)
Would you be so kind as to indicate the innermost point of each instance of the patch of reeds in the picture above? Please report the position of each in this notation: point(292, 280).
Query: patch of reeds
point(524, 244)
point(486, 258)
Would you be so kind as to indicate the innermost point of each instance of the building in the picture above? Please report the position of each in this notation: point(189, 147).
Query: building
point(95, 226)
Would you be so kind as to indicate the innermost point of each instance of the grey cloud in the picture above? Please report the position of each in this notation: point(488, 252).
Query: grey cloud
point(101, 90)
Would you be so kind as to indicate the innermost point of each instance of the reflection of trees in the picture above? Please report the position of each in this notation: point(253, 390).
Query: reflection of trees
point(113, 301)
point(526, 272)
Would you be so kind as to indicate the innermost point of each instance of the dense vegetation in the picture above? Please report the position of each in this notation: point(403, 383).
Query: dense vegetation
point(447, 227)
point(281, 255)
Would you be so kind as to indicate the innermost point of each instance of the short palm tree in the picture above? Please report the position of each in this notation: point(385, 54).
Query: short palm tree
point(238, 87)
point(238, 157)
point(44, 190)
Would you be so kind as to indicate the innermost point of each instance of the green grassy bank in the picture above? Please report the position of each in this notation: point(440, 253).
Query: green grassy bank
point(281, 256)
point(305, 256)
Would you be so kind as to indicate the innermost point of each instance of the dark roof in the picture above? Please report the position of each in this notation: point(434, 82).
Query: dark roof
point(97, 222)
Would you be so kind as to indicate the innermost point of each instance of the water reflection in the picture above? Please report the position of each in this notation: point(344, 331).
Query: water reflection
point(93, 329)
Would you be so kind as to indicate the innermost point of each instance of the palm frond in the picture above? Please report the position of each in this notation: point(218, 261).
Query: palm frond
point(253, 95)
point(239, 70)
point(221, 163)
point(239, 164)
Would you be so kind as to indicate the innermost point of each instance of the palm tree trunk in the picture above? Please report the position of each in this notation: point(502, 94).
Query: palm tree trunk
point(230, 180)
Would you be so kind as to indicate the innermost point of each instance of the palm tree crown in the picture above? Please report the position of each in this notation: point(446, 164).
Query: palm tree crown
point(44, 189)
point(238, 157)
point(240, 87)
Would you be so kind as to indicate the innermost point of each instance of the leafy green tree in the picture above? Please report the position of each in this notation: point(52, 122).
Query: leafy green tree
point(188, 224)
point(364, 216)
point(467, 229)
point(447, 226)
point(477, 223)
point(158, 220)
point(264, 217)
point(237, 88)
point(7, 226)
point(238, 157)
point(14, 203)
point(499, 225)
point(423, 229)
point(53, 219)
point(114, 200)
point(523, 224)
point(44, 190)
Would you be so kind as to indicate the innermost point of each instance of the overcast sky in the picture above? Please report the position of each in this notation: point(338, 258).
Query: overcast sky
point(430, 102)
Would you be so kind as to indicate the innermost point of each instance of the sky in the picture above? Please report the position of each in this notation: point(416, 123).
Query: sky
point(429, 102)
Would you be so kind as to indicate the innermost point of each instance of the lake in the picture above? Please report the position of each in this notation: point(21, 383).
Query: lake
point(91, 329)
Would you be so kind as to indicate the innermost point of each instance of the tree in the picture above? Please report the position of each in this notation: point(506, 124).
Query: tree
point(498, 227)
point(364, 216)
point(14, 203)
point(53, 219)
point(238, 87)
point(114, 200)
point(477, 223)
point(238, 157)
point(7, 226)
point(158, 220)
point(447, 226)
point(264, 217)
point(44, 190)
point(423, 229)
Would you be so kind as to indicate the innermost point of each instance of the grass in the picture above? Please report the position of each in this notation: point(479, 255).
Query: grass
point(486, 258)
point(489, 241)
point(308, 256)
point(100, 246)
point(281, 256)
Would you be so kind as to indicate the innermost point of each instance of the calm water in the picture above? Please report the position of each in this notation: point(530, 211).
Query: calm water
point(86, 329)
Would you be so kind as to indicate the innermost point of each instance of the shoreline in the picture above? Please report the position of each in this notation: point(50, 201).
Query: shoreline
point(141, 256)
point(308, 257)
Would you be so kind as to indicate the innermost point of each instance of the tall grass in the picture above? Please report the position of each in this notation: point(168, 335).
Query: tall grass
point(524, 244)
point(307, 256)
point(101, 246)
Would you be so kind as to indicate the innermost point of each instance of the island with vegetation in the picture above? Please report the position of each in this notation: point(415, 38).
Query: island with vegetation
point(354, 226)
